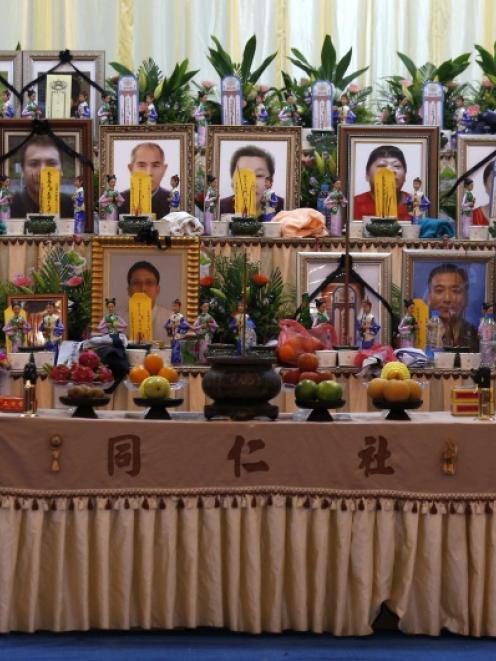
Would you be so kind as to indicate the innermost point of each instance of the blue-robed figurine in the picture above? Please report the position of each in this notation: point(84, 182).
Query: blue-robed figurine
point(151, 113)
point(52, 328)
point(237, 323)
point(176, 326)
point(83, 109)
point(6, 109)
point(175, 195)
point(367, 326)
point(269, 201)
point(79, 208)
point(417, 203)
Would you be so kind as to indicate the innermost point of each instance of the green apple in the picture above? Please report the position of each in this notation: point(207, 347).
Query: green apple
point(329, 392)
point(306, 390)
point(155, 387)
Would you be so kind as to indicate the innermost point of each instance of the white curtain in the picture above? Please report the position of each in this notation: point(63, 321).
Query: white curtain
point(170, 30)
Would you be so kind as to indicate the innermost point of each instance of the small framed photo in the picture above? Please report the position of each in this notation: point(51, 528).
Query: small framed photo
point(161, 151)
point(374, 267)
point(120, 267)
point(453, 284)
point(91, 63)
point(36, 306)
point(23, 168)
point(11, 70)
point(268, 150)
point(471, 150)
point(410, 151)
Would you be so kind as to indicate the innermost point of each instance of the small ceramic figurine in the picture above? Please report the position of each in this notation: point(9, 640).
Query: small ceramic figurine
point(460, 115)
point(52, 328)
point(269, 201)
point(468, 204)
point(151, 115)
point(6, 109)
point(346, 114)
point(201, 116)
point(366, 325)
point(176, 326)
point(289, 115)
point(261, 114)
point(112, 323)
point(104, 112)
point(209, 204)
point(408, 326)
point(175, 195)
point(303, 315)
point(417, 203)
point(79, 208)
point(205, 327)
point(402, 112)
point(111, 199)
point(334, 203)
point(31, 110)
point(5, 197)
point(83, 109)
point(16, 328)
point(486, 310)
point(321, 317)
point(242, 324)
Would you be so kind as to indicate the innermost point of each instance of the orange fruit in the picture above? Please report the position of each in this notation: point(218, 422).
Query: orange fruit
point(375, 389)
point(169, 373)
point(153, 363)
point(287, 354)
point(138, 374)
point(415, 390)
point(307, 362)
point(396, 391)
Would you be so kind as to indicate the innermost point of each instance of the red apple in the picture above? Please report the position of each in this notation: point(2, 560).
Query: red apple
point(60, 373)
point(82, 374)
point(309, 376)
point(104, 374)
point(89, 359)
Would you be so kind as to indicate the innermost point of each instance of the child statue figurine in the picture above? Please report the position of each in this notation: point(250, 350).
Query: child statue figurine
point(289, 115)
point(201, 116)
point(205, 327)
point(468, 204)
point(105, 114)
point(321, 317)
point(6, 109)
point(175, 195)
point(345, 113)
point(335, 202)
point(176, 326)
point(31, 110)
point(261, 113)
point(151, 114)
point(460, 115)
point(111, 199)
point(5, 198)
point(83, 109)
point(78, 204)
point(17, 328)
point(52, 328)
point(112, 323)
point(209, 204)
point(269, 201)
point(303, 315)
point(241, 324)
point(366, 325)
point(408, 326)
point(417, 203)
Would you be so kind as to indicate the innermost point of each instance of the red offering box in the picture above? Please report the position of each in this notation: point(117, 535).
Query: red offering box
point(10, 404)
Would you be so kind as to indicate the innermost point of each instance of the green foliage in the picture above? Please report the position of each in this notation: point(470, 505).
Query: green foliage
point(487, 62)
point(266, 304)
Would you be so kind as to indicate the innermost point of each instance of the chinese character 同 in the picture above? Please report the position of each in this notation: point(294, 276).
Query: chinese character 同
point(253, 446)
point(373, 458)
point(124, 452)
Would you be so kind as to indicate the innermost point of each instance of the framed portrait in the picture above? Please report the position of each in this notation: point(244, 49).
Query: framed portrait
point(455, 285)
point(374, 267)
point(471, 150)
point(161, 151)
point(35, 307)
point(11, 70)
point(91, 63)
point(23, 167)
point(268, 150)
point(410, 151)
point(120, 267)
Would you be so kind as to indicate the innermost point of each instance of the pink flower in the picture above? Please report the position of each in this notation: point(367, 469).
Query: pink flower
point(487, 83)
point(354, 88)
point(207, 84)
point(406, 83)
point(75, 281)
point(22, 281)
point(263, 88)
point(474, 110)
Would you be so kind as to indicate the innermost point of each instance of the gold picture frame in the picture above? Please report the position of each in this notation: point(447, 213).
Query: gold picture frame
point(178, 266)
point(11, 70)
point(176, 142)
point(283, 146)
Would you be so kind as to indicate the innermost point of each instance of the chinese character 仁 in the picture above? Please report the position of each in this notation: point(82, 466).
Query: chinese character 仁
point(253, 446)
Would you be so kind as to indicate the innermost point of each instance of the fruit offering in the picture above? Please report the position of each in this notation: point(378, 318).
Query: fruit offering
point(394, 390)
point(395, 370)
point(139, 373)
point(85, 392)
point(327, 393)
point(155, 387)
point(89, 369)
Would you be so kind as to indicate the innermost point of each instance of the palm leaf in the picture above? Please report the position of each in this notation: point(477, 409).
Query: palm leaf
point(248, 55)
point(328, 58)
point(347, 79)
point(258, 72)
point(121, 69)
point(341, 68)
point(409, 64)
point(307, 69)
point(299, 55)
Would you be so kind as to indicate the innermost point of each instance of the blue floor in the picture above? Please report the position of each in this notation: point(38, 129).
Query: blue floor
point(215, 645)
